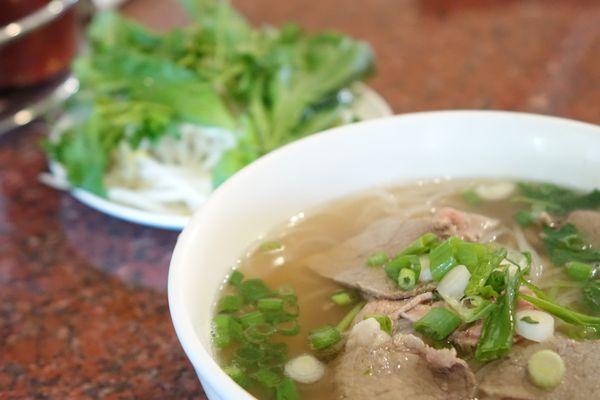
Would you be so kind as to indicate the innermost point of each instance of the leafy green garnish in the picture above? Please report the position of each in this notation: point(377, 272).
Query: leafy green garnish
point(546, 197)
point(268, 86)
point(567, 244)
point(591, 296)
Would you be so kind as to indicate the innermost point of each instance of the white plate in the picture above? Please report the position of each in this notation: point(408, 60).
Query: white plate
point(404, 148)
point(369, 105)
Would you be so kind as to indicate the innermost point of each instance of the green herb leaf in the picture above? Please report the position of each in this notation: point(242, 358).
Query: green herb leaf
point(591, 296)
point(567, 244)
point(545, 197)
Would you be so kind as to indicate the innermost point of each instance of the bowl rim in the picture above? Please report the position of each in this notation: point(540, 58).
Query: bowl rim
point(210, 373)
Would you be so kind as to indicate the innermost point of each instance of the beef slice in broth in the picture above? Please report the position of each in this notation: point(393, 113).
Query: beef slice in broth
point(508, 378)
point(402, 367)
point(394, 309)
point(347, 262)
point(587, 222)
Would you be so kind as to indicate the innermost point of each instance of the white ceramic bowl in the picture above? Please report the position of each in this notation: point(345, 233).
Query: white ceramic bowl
point(344, 160)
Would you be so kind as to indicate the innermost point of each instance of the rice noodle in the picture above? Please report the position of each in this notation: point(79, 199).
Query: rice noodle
point(537, 268)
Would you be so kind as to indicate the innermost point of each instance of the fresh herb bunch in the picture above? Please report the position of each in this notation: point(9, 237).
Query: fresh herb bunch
point(269, 86)
point(247, 323)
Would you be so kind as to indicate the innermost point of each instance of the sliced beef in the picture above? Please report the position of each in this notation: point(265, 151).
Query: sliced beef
point(394, 309)
point(466, 339)
point(587, 222)
point(508, 378)
point(449, 221)
point(347, 263)
point(402, 367)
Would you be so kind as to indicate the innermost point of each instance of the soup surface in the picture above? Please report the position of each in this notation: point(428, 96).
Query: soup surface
point(313, 255)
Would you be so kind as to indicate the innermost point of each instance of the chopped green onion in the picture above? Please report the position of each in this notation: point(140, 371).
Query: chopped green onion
point(258, 333)
point(471, 197)
point(393, 268)
point(342, 298)
point(267, 377)
point(249, 354)
point(421, 246)
point(546, 369)
point(252, 318)
point(286, 390)
point(271, 246)
point(529, 320)
point(385, 323)
point(288, 328)
point(473, 308)
point(377, 259)
point(324, 337)
point(407, 279)
point(225, 330)
point(235, 278)
point(536, 290)
point(254, 289)
point(291, 308)
point(287, 292)
point(499, 326)
point(563, 313)
point(437, 324)
point(237, 375)
point(441, 260)
point(230, 303)
point(347, 320)
point(496, 281)
point(269, 304)
point(579, 271)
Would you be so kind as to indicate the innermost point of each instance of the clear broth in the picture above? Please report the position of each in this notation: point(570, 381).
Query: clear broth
point(312, 232)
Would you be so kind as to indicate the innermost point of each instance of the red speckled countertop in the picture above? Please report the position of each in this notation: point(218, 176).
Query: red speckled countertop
point(83, 306)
